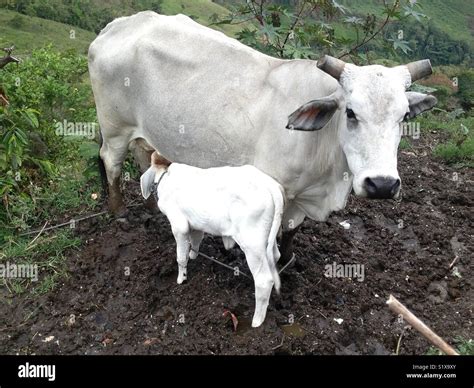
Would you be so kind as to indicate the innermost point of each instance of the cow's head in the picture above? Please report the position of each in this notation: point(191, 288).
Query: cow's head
point(375, 103)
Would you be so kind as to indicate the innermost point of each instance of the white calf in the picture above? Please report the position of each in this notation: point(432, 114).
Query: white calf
point(241, 204)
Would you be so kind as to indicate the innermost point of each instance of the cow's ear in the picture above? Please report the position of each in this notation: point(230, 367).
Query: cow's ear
point(313, 115)
point(419, 102)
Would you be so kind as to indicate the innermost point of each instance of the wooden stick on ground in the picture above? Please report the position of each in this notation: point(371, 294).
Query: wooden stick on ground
point(398, 308)
point(37, 236)
point(64, 223)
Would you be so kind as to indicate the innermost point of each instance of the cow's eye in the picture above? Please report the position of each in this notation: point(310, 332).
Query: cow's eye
point(350, 114)
point(406, 117)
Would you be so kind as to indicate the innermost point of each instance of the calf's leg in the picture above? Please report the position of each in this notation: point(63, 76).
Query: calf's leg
point(263, 281)
point(182, 254)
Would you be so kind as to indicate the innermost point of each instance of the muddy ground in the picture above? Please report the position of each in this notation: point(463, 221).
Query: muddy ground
point(406, 246)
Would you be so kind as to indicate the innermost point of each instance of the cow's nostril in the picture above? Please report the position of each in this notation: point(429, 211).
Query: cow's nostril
point(381, 187)
point(395, 187)
point(370, 186)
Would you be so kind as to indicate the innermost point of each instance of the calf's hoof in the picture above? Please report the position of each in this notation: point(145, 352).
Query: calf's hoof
point(257, 321)
point(181, 279)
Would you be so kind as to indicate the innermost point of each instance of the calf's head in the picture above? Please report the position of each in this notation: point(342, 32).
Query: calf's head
point(374, 102)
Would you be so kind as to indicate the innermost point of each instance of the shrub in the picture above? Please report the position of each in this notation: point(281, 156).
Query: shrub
point(46, 88)
point(466, 88)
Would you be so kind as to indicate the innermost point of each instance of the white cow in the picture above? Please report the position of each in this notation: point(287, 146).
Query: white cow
point(206, 100)
point(242, 204)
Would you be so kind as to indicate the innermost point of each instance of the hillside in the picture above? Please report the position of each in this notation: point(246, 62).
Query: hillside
point(28, 32)
point(201, 10)
point(454, 17)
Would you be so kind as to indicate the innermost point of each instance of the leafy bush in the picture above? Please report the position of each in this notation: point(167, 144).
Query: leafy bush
point(466, 88)
point(304, 29)
point(362, 30)
point(44, 89)
point(457, 152)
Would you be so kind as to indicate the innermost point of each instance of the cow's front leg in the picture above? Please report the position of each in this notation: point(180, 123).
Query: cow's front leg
point(286, 245)
point(112, 154)
point(292, 219)
point(196, 238)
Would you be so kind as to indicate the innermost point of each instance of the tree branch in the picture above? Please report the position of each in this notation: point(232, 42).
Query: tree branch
point(8, 58)
point(297, 19)
point(368, 38)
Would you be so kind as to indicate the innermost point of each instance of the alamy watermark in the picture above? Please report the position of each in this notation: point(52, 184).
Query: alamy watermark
point(335, 270)
point(411, 129)
point(76, 128)
point(19, 271)
point(28, 370)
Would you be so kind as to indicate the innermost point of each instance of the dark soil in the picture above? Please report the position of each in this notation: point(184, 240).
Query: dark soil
point(406, 246)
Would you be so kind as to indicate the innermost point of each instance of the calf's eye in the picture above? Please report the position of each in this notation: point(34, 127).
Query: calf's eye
point(350, 114)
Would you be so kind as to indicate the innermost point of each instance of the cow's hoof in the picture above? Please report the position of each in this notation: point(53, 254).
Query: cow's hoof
point(119, 212)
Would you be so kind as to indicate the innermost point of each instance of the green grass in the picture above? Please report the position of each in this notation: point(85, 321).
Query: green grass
point(61, 198)
point(405, 144)
point(458, 149)
point(463, 346)
point(48, 252)
point(28, 33)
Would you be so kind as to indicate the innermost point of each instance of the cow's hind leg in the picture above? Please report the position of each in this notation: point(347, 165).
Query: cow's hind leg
point(113, 152)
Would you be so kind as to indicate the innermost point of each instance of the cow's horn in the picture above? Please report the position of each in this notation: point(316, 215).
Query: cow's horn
point(331, 65)
point(419, 69)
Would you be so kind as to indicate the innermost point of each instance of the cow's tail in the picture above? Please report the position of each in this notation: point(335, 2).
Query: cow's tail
point(278, 201)
point(102, 170)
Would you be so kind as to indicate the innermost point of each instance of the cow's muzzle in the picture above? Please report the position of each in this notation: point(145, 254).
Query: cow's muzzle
point(382, 187)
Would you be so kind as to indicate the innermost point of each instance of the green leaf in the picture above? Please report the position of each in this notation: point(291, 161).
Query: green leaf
point(31, 117)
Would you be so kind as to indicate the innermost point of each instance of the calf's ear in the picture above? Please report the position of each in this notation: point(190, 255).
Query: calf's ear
point(419, 102)
point(146, 182)
point(315, 114)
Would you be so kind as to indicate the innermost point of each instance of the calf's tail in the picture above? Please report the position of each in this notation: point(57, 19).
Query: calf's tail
point(278, 201)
